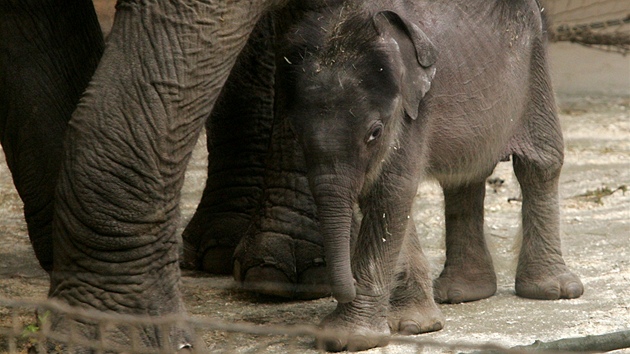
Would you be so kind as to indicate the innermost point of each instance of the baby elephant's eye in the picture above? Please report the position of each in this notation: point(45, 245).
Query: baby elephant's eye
point(375, 131)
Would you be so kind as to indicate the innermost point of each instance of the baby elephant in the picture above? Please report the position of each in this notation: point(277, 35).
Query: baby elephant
point(382, 97)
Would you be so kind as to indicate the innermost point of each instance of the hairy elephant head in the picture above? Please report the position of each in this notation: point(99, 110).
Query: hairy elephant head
point(354, 79)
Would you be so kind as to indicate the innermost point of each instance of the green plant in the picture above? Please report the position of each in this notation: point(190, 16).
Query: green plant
point(31, 329)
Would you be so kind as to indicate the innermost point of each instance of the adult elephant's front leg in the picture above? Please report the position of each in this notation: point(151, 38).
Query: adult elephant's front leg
point(239, 130)
point(257, 194)
point(282, 253)
point(127, 147)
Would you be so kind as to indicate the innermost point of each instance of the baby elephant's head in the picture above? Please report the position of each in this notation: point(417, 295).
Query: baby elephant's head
point(353, 82)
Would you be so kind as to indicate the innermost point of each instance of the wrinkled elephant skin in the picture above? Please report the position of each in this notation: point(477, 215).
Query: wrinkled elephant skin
point(126, 145)
point(256, 219)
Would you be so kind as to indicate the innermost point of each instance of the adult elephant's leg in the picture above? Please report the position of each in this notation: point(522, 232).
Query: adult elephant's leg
point(468, 272)
point(48, 52)
point(282, 253)
point(238, 136)
point(127, 146)
point(541, 271)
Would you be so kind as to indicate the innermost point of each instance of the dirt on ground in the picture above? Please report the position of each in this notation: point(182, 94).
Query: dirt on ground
point(595, 216)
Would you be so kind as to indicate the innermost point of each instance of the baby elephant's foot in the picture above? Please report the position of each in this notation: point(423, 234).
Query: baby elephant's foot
point(462, 285)
point(354, 327)
point(545, 284)
point(416, 319)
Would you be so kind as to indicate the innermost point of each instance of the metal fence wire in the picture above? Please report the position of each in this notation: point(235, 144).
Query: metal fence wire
point(92, 332)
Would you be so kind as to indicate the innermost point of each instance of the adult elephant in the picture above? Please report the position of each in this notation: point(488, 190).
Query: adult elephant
point(126, 147)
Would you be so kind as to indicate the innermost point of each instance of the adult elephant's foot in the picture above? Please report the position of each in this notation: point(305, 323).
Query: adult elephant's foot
point(84, 331)
point(358, 325)
point(416, 318)
point(132, 310)
point(460, 284)
point(313, 280)
point(547, 283)
point(278, 265)
point(217, 260)
point(210, 241)
point(213, 259)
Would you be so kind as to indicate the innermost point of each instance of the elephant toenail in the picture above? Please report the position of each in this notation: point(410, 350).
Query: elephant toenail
point(319, 262)
point(437, 326)
point(552, 293)
point(574, 290)
point(269, 261)
point(330, 344)
point(409, 328)
point(456, 296)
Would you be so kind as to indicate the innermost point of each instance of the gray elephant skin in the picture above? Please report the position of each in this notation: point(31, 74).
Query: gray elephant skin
point(379, 95)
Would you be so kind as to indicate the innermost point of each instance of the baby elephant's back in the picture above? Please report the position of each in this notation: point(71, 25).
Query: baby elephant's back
point(481, 89)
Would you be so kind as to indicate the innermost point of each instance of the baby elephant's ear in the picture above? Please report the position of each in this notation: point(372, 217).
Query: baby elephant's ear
point(425, 51)
point(418, 71)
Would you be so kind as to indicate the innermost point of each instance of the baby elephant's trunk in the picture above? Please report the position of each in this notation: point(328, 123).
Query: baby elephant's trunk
point(334, 207)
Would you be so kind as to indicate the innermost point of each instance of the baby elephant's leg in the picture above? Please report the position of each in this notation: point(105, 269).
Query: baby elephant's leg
point(374, 260)
point(541, 271)
point(412, 309)
point(468, 273)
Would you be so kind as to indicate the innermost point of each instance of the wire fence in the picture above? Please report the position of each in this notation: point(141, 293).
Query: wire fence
point(37, 336)
point(601, 24)
point(97, 332)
